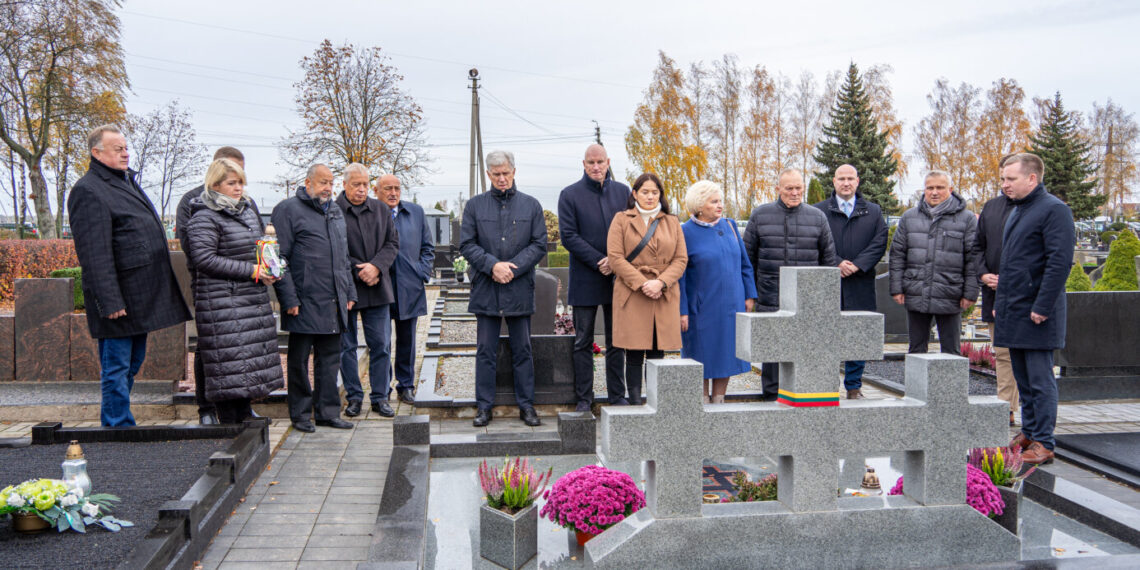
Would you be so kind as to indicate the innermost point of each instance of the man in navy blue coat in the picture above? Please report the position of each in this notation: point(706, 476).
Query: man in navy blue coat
point(860, 235)
point(1029, 312)
point(412, 269)
point(585, 210)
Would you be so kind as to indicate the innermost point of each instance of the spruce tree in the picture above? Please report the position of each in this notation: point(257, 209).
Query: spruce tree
point(816, 193)
point(853, 137)
point(1069, 170)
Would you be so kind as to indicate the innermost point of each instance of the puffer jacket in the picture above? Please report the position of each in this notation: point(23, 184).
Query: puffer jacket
point(237, 335)
point(779, 236)
point(934, 259)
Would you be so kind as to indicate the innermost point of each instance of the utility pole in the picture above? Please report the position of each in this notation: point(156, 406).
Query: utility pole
point(476, 138)
point(597, 133)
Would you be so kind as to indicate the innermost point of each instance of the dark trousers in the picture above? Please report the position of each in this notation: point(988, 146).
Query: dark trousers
point(1033, 370)
point(404, 360)
point(584, 319)
point(233, 411)
point(853, 374)
point(205, 406)
point(487, 356)
point(322, 397)
point(949, 332)
point(635, 372)
point(378, 337)
point(119, 360)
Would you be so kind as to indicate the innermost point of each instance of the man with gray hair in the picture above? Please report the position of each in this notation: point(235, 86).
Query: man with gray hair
point(503, 237)
point(316, 295)
point(781, 233)
point(372, 247)
point(933, 264)
point(128, 282)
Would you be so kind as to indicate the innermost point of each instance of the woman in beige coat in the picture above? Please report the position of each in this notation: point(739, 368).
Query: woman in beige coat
point(647, 299)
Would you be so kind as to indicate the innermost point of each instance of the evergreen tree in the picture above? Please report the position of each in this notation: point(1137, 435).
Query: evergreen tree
point(1069, 170)
point(816, 193)
point(852, 137)
point(1078, 280)
point(1119, 269)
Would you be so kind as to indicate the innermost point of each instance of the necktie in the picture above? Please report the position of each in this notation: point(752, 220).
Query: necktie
point(847, 209)
point(394, 212)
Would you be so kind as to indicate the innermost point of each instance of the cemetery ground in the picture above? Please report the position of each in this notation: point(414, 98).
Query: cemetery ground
point(324, 500)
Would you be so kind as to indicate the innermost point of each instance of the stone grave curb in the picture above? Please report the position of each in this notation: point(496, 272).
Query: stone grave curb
point(1085, 506)
point(1113, 472)
point(185, 527)
point(400, 530)
point(576, 434)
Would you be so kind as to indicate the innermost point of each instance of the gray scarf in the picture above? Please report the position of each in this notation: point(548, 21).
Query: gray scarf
point(219, 202)
point(950, 203)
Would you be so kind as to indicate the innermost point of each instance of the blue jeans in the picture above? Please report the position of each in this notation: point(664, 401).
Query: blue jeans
point(487, 359)
point(378, 337)
point(119, 361)
point(1033, 370)
point(853, 374)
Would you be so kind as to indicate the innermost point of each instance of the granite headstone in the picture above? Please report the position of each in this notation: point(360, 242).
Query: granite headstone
point(43, 328)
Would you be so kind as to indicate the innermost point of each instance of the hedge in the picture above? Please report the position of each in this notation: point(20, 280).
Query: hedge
point(32, 258)
point(76, 274)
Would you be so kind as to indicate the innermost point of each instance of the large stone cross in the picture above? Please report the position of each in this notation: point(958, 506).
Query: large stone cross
point(809, 336)
point(934, 425)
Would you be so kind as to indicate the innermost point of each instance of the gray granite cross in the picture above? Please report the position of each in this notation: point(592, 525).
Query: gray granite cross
point(934, 425)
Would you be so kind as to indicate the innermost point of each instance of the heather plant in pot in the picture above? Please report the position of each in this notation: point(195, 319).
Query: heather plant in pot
point(508, 522)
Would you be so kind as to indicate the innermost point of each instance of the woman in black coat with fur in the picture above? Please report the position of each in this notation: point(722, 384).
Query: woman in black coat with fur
point(237, 334)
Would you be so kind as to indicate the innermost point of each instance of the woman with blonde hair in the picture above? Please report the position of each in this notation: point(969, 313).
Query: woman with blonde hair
point(646, 250)
point(237, 334)
point(718, 283)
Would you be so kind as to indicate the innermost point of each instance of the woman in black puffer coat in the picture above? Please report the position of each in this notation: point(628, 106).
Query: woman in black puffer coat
point(237, 334)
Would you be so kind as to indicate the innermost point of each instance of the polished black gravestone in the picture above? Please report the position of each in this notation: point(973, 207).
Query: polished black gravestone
point(43, 329)
point(1100, 359)
point(894, 321)
point(553, 371)
point(1114, 454)
point(545, 304)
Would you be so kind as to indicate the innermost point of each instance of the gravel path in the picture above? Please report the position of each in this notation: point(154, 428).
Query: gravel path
point(458, 332)
point(455, 307)
point(168, 471)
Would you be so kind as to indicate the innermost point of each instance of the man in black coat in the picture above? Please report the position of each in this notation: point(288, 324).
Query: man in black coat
point(411, 270)
point(372, 247)
point(316, 293)
point(1029, 311)
point(128, 283)
point(990, 225)
point(860, 235)
point(503, 237)
point(585, 210)
point(781, 233)
point(207, 415)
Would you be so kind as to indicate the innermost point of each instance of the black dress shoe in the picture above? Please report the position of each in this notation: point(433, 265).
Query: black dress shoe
point(407, 397)
point(352, 409)
point(529, 417)
point(482, 418)
point(305, 426)
point(208, 419)
point(335, 423)
point(383, 409)
point(583, 406)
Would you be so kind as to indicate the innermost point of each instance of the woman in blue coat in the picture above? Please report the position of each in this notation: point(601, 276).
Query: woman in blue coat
point(717, 284)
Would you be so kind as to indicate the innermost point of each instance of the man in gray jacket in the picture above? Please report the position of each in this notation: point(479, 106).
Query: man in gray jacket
point(785, 232)
point(933, 264)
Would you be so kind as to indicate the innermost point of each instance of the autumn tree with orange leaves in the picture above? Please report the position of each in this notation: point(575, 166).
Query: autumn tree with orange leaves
point(355, 111)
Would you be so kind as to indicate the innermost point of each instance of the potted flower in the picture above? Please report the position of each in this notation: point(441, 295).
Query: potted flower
point(592, 499)
point(459, 266)
point(748, 491)
point(981, 493)
point(508, 522)
point(1003, 466)
point(39, 504)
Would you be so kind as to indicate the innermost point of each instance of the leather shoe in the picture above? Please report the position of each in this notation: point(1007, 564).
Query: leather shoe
point(305, 426)
point(1011, 422)
point(529, 417)
point(855, 394)
point(583, 406)
point(620, 402)
point(335, 423)
point(208, 419)
point(1020, 441)
point(1037, 454)
point(406, 397)
point(482, 418)
point(352, 409)
point(383, 409)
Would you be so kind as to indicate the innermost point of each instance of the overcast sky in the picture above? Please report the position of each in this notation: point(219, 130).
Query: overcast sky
point(561, 65)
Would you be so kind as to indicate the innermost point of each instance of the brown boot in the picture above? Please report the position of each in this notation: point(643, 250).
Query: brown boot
point(1020, 441)
point(1036, 454)
point(855, 394)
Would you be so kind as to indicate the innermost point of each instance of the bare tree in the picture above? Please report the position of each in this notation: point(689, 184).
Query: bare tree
point(166, 154)
point(355, 111)
point(1113, 135)
point(946, 137)
point(728, 84)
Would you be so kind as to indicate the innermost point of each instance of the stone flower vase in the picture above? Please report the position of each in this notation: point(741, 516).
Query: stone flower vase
point(1012, 498)
point(508, 540)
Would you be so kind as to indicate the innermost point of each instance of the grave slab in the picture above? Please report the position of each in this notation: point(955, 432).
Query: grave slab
point(43, 329)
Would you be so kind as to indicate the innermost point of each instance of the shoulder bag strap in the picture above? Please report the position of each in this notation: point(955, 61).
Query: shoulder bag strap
point(644, 241)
